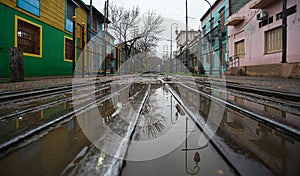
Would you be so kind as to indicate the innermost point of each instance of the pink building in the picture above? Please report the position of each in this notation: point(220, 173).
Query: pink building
point(255, 32)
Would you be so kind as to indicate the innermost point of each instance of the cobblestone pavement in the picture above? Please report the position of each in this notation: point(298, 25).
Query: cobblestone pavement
point(291, 85)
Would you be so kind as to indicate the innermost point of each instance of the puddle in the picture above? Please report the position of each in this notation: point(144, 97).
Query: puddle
point(166, 142)
point(256, 141)
point(48, 155)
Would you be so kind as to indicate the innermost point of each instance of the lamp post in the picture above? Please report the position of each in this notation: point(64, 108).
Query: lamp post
point(165, 51)
point(165, 48)
point(171, 47)
point(209, 47)
point(186, 36)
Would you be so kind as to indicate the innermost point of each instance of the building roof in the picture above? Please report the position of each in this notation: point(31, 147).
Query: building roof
point(208, 11)
point(183, 32)
point(99, 14)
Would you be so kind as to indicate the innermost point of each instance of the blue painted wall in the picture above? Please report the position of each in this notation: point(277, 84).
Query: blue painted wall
point(215, 44)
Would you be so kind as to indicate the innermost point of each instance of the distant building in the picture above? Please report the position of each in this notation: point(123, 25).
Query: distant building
point(180, 62)
point(255, 32)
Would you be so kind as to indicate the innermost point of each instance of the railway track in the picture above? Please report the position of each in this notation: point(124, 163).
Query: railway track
point(104, 92)
point(217, 141)
point(85, 103)
point(246, 112)
point(282, 95)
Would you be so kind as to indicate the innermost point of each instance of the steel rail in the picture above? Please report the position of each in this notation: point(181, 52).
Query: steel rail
point(72, 114)
point(285, 95)
point(200, 126)
point(252, 115)
point(47, 105)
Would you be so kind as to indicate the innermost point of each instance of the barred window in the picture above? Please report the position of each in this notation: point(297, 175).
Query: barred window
point(29, 37)
point(273, 40)
point(239, 49)
point(68, 49)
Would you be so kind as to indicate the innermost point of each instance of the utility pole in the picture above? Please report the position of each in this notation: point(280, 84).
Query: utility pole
point(220, 49)
point(284, 32)
point(104, 35)
point(186, 36)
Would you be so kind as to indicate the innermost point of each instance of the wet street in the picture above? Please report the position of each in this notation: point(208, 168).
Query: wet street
point(149, 125)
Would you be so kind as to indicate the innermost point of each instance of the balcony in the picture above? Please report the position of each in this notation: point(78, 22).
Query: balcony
point(234, 21)
point(260, 4)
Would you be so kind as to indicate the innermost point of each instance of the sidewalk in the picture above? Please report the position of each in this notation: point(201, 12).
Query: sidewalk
point(284, 84)
point(34, 82)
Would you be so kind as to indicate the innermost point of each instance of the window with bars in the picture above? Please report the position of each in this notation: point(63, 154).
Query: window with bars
point(239, 49)
point(68, 49)
point(29, 37)
point(273, 40)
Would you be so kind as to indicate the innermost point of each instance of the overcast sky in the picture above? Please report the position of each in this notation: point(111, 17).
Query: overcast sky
point(172, 10)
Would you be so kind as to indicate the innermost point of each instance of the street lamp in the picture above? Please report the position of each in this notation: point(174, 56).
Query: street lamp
point(176, 32)
point(209, 47)
point(165, 48)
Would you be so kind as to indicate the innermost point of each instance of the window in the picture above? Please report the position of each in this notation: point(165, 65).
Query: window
point(95, 24)
point(211, 24)
point(70, 12)
point(32, 6)
point(239, 49)
point(204, 30)
point(68, 49)
point(266, 22)
point(222, 19)
point(273, 40)
point(290, 11)
point(29, 37)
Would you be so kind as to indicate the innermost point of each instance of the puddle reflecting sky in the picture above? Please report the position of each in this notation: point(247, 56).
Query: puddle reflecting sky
point(162, 117)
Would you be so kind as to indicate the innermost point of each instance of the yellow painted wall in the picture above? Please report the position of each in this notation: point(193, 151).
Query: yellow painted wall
point(81, 16)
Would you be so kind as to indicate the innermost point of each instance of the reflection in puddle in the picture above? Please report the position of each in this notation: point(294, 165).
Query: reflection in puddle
point(54, 152)
point(47, 156)
point(18, 125)
point(188, 156)
point(278, 151)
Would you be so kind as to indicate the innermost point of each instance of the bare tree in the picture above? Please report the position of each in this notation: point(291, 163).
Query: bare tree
point(124, 20)
point(152, 26)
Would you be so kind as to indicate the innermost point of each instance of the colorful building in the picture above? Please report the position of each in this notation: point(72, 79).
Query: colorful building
point(44, 30)
point(214, 41)
point(255, 32)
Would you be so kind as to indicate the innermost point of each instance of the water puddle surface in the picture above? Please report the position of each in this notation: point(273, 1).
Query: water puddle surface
point(166, 142)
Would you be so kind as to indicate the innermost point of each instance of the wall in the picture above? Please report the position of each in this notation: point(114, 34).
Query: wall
point(52, 21)
point(255, 40)
point(52, 61)
point(214, 45)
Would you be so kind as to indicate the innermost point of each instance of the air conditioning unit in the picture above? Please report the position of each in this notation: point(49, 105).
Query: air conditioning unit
point(261, 15)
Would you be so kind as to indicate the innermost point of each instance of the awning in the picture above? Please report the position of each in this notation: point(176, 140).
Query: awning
point(234, 21)
point(259, 4)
